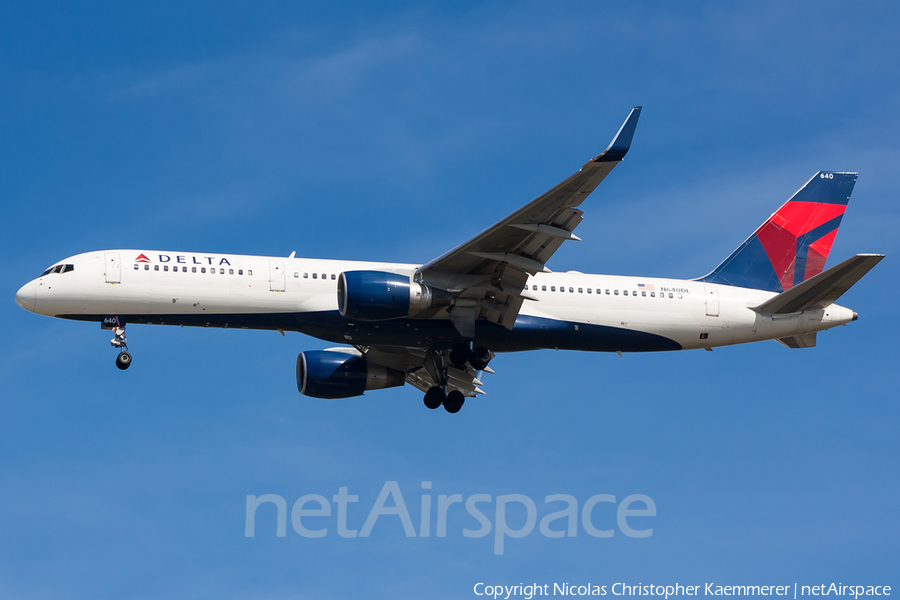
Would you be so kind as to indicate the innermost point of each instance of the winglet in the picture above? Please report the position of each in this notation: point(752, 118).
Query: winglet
point(618, 148)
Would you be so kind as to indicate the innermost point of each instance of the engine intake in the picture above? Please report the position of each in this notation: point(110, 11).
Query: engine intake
point(380, 296)
point(329, 374)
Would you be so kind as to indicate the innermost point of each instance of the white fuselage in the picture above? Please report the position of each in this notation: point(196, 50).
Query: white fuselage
point(223, 290)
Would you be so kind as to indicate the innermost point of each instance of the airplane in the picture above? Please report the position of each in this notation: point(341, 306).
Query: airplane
point(436, 326)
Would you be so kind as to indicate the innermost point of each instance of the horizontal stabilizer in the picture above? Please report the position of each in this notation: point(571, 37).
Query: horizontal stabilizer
point(807, 340)
point(823, 289)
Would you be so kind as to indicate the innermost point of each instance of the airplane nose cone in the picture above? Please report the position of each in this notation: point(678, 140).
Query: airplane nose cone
point(25, 297)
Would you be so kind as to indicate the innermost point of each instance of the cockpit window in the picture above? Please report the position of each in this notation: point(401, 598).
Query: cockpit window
point(58, 269)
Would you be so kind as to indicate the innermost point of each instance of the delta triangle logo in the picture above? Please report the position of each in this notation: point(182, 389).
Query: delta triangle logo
point(142, 259)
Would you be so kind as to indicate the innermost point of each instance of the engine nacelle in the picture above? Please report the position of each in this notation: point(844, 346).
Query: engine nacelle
point(380, 296)
point(329, 374)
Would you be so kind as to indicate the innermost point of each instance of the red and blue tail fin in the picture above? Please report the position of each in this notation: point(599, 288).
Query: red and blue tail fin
point(793, 244)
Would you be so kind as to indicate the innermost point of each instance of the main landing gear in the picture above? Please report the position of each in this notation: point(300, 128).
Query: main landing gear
point(123, 360)
point(452, 402)
point(437, 363)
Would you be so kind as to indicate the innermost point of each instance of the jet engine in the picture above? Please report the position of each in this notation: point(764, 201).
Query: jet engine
point(379, 296)
point(330, 374)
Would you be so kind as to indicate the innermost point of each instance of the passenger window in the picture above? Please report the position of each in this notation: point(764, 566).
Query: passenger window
point(534, 287)
point(607, 292)
point(240, 271)
point(644, 294)
point(580, 291)
point(571, 290)
point(136, 267)
point(231, 271)
point(624, 292)
point(156, 267)
point(552, 288)
point(306, 276)
point(146, 268)
point(670, 295)
point(193, 269)
point(324, 276)
point(616, 292)
point(249, 273)
point(653, 294)
point(184, 269)
point(543, 288)
point(221, 271)
point(165, 267)
point(203, 269)
point(332, 276)
point(590, 291)
point(296, 275)
point(315, 275)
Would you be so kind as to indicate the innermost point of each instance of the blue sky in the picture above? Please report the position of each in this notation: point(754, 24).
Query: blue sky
point(394, 133)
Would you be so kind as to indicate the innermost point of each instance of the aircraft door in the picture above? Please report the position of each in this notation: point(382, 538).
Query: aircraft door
point(113, 268)
point(712, 301)
point(276, 276)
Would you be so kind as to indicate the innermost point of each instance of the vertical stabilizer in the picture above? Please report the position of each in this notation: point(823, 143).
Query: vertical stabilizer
point(793, 244)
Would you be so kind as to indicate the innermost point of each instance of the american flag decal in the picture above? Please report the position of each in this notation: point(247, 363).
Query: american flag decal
point(646, 286)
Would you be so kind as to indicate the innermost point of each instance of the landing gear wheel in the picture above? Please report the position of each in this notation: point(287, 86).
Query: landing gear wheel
point(459, 355)
point(434, 397)
point(480, 358)
point(123, 360)
point(454, 401)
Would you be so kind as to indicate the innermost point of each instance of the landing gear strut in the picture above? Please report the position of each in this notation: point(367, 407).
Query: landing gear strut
point(123, 360)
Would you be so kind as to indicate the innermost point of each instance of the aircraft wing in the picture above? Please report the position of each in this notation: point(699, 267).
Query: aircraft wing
point(422, 368)
point(489, 271)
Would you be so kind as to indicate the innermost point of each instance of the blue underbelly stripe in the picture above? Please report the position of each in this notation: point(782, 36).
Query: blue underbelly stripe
point(529, 333)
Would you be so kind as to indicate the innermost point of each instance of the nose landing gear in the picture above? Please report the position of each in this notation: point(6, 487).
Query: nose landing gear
point(123, 360)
